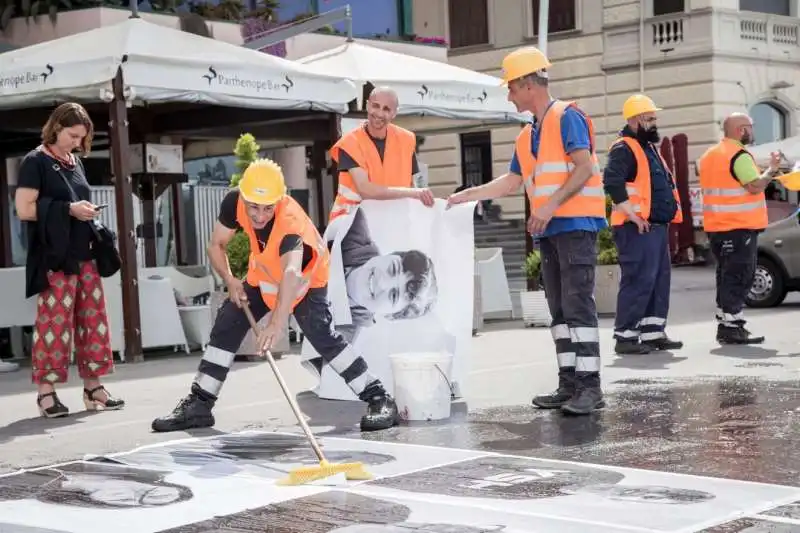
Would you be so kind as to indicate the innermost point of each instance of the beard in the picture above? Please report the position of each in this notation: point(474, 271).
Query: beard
point(650, 135)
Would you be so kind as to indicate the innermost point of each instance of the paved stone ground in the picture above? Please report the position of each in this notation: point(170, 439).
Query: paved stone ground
point(724, 413)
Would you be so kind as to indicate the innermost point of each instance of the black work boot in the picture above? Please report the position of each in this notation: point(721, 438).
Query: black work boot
point(663, 344)
point(588, 397)
point(631, 347)
point(381, 410)
point(736, 335)
point(191, 412)
point(557, 398)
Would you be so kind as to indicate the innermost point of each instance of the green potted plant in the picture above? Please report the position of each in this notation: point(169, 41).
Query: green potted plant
point(607, 274)
point(246, 151)
point(535, 311)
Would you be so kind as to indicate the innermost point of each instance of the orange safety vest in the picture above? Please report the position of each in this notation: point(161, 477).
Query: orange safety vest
point(265, 270)
point(639, 192)
point(393, 171)
point(545, 174)
point(727, 205)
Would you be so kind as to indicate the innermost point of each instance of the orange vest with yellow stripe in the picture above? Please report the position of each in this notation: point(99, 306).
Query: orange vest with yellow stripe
point(726, 204)
point(545, 174)
point(265, 271)
point(640, 192)
point(393, 171)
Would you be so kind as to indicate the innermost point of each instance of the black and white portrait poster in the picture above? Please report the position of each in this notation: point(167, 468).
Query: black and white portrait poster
point(401, 281)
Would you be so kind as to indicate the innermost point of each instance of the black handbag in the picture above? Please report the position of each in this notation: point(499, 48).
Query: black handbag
point(104, 245)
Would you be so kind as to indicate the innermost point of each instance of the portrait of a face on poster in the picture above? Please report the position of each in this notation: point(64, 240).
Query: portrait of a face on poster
point(401, 281)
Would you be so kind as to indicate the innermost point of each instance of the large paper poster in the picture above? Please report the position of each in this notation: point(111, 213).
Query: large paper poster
point(401, 281)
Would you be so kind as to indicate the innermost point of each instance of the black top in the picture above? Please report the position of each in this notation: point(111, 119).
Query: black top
point(227, 217)
point(621, 169)
point(37, 172)
point(346, 162)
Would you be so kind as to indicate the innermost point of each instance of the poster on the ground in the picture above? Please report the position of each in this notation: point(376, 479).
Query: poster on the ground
point(401, 280)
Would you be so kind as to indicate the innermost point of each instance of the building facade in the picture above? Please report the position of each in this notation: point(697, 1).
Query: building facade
point(698, 59)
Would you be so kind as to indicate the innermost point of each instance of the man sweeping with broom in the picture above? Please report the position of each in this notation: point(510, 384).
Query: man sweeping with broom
point(288, 274)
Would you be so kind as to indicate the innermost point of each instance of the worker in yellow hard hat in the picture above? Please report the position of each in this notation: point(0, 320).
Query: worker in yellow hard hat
point(287, 274)
point(646, 202)
point(555, 159)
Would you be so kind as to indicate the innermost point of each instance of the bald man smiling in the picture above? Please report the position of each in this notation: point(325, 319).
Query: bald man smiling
point(378, 159)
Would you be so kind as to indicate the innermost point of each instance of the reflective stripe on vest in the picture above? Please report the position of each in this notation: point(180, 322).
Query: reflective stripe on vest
point(641, 203)
point(727, 205)
point(544, 175)
point(393, 171)
point(264, 266)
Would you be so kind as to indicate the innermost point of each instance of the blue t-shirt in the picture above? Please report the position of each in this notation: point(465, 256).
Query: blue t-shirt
point(574, 136)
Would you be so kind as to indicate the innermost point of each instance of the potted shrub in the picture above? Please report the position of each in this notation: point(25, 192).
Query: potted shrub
point(535, 311)
point(608, 273)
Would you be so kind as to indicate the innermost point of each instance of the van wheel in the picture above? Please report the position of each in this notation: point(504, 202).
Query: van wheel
point(768, 289)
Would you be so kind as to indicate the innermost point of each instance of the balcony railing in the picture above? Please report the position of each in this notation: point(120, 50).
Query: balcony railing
point(704, 32)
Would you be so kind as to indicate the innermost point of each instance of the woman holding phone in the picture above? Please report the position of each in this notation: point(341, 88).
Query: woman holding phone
point(53, 197)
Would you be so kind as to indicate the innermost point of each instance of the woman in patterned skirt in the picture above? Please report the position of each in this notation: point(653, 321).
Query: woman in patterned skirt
point(54, 199)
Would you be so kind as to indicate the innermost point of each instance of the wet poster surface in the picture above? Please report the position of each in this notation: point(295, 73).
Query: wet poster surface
point(228, 483)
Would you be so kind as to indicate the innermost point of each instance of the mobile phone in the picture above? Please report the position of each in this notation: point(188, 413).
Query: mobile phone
point(100, 207)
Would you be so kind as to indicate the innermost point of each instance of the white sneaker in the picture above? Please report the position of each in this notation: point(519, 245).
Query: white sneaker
point(7, 366)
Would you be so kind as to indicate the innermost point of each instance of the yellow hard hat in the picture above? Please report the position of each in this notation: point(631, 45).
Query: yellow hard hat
point(791, 180)
point(262, 183)
point(522, 62)
point(638, 104)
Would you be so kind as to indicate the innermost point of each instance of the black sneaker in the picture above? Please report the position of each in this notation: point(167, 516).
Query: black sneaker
point(557, 398)
point(586, 400)
point(663, 344)
point(631, 347)
point(191, 412)
point(381, 413)
point(736, 335)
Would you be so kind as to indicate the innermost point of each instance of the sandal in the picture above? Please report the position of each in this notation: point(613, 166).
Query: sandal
point(93, 404)
point(56, 410)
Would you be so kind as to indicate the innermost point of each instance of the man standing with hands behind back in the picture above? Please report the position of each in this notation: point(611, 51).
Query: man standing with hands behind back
point(646, 201)
point(562, 179)
point(378, 159)
point(734, 213)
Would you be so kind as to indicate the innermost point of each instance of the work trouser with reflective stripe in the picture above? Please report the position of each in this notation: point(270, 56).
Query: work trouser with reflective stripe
point(736, 254)
point(568, 267)
point(643, 299)
point(314, 317)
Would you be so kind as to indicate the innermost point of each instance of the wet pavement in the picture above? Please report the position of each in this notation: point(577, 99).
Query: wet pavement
point(703, 439)
point(737, 428)
point(715, 456)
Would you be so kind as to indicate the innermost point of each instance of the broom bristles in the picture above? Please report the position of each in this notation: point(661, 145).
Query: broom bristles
point(306, 474)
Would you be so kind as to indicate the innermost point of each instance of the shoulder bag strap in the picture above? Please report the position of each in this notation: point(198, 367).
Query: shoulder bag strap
point(74, 196)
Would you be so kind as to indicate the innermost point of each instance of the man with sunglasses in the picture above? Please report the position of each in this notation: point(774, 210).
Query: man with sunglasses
point(645, 199)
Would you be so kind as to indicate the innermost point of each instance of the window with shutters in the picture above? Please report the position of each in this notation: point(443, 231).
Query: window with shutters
point(469, 22)
point(562, 16)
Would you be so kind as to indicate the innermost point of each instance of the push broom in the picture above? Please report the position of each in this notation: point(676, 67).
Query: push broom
point(307, 474)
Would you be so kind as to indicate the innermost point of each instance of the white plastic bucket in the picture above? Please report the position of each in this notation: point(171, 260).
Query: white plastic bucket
point(422, 385)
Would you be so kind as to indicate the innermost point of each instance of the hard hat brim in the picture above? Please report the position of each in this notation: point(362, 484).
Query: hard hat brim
point(650, 110)
point(261, 200)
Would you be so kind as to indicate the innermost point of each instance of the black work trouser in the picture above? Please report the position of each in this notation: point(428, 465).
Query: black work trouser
point(568, 268)
point(314, 317)
point(736, 253)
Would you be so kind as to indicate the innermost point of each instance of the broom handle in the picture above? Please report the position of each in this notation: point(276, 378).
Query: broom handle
point(292, 402)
